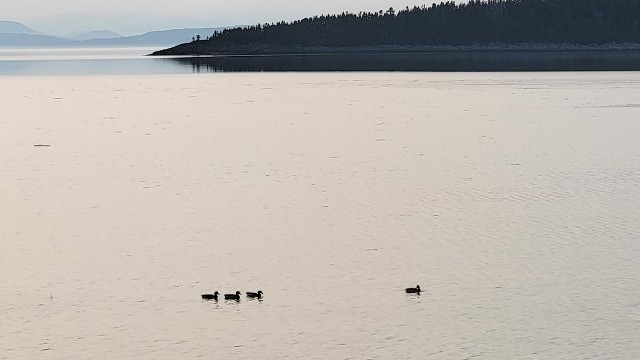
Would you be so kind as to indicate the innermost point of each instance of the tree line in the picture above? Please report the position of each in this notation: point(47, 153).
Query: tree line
point(448, 23)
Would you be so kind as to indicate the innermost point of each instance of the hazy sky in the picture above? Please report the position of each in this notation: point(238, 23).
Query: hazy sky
point(138, 16)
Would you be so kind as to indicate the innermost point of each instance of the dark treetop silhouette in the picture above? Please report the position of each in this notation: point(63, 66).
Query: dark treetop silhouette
point(588, 22)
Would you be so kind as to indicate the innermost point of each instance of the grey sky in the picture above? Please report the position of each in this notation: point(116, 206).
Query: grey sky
point(138, 16)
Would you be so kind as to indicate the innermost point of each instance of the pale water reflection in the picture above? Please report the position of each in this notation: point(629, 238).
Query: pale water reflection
point(510, 198)
point(83, 61)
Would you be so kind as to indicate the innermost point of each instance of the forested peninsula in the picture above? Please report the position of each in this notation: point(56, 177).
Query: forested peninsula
point(478, 24)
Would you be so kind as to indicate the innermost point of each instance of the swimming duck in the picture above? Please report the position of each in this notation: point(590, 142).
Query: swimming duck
point(213, 296)
point(235, 296)
point(254, 295)
point(415, 290)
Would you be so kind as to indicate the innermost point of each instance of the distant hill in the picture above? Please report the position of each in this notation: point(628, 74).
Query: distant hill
point(98, 34)
point(27, 41)
point(155, 38)
point(478, 22)
point(16, 35)
point(12, 27)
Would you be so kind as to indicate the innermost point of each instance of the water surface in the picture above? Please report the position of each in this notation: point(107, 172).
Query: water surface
point(511, 198)
point(134, 61)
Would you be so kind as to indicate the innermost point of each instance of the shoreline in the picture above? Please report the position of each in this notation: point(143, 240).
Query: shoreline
point(202, 48)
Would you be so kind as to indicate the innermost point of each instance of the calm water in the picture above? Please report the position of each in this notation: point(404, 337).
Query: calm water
point(133, 61)
point(511, 198)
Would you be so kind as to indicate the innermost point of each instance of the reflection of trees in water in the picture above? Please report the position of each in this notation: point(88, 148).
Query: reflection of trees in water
point(199, 66)
point(204, 65)
point(443, 61)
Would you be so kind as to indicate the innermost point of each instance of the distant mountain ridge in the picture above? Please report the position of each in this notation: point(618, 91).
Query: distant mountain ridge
point(13, 27)
point(16, 35)
point(155, 38)
point(98, 34)
point(25, 40)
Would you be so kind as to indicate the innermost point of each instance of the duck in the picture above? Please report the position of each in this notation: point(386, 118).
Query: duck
point(257, 295)
point(415, 290)
point(235, 296)
point(213, 296)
